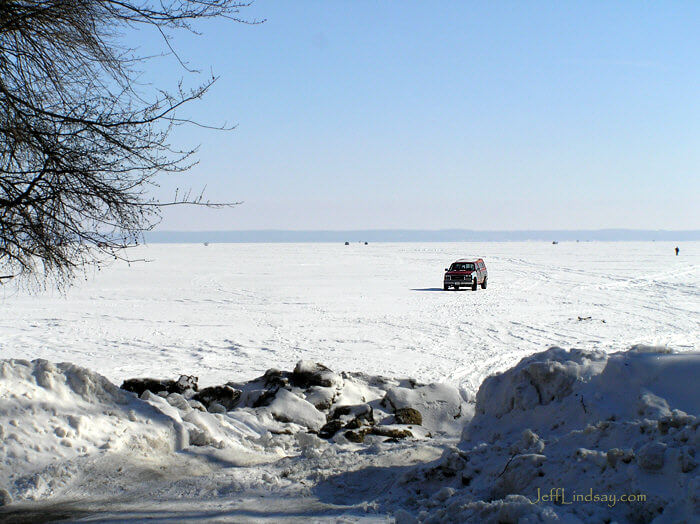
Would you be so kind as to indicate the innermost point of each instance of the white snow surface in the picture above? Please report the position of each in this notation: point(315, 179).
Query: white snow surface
point(607, 425)
point(503, 417)
point(231, 311)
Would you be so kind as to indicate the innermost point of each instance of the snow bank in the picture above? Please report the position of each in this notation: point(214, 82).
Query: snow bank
point(565, 435)
point(56, 417)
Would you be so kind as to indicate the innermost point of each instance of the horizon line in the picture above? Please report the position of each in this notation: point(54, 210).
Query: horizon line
point(278, 230)
point(419, 235)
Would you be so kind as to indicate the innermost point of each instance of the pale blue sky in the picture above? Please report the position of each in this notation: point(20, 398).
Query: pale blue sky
point(429, 115)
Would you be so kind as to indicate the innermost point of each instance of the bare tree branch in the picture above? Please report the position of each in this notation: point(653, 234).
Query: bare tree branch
point(80, 145)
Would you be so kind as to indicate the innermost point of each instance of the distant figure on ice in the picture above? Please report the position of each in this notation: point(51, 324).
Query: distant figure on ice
point(677, 250)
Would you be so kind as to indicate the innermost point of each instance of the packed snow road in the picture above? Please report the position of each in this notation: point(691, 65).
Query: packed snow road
point(231, 311)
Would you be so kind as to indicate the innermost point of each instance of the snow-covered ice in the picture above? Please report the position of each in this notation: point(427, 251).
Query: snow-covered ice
point(344, 442)
point(231, 311)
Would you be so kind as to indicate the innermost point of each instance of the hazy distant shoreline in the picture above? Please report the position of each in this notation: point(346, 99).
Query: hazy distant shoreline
point(406, 235)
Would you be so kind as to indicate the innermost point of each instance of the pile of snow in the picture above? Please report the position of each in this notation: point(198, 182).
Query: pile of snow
point(57, 420)
point(564, 435)
point(344, 407)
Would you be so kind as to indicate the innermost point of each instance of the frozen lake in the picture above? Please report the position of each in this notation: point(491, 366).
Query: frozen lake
point(75, 446)
point(231, 311)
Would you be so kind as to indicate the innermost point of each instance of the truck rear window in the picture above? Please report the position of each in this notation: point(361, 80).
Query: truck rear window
point(462, 266)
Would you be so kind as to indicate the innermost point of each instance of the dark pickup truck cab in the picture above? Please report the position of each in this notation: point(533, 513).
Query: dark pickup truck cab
point(466, 273)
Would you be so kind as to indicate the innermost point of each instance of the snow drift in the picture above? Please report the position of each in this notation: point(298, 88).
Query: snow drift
point(55, 419)
point(560, 424)
point(565, 435)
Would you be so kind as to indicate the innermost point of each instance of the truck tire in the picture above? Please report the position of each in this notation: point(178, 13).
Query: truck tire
point(483, 284)
point(474, 285)
point(446, 287)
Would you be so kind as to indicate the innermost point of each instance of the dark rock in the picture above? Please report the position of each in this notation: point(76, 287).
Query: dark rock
point(394, 433)
point(356, 436)
point(308, 374)
point(354, 417)
point(186, 382)
point(355, 424)
point(341, 411)
point(281, 432)
point(154, 385)
point(349, 417)
point(330, 429)
point(358, 411)
point(266, 397)
point(276, 378)
point(223, 395)
point(324, 405)
point(408, 416)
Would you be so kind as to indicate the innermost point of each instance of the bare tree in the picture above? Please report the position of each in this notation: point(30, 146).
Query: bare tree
point(80, 139)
